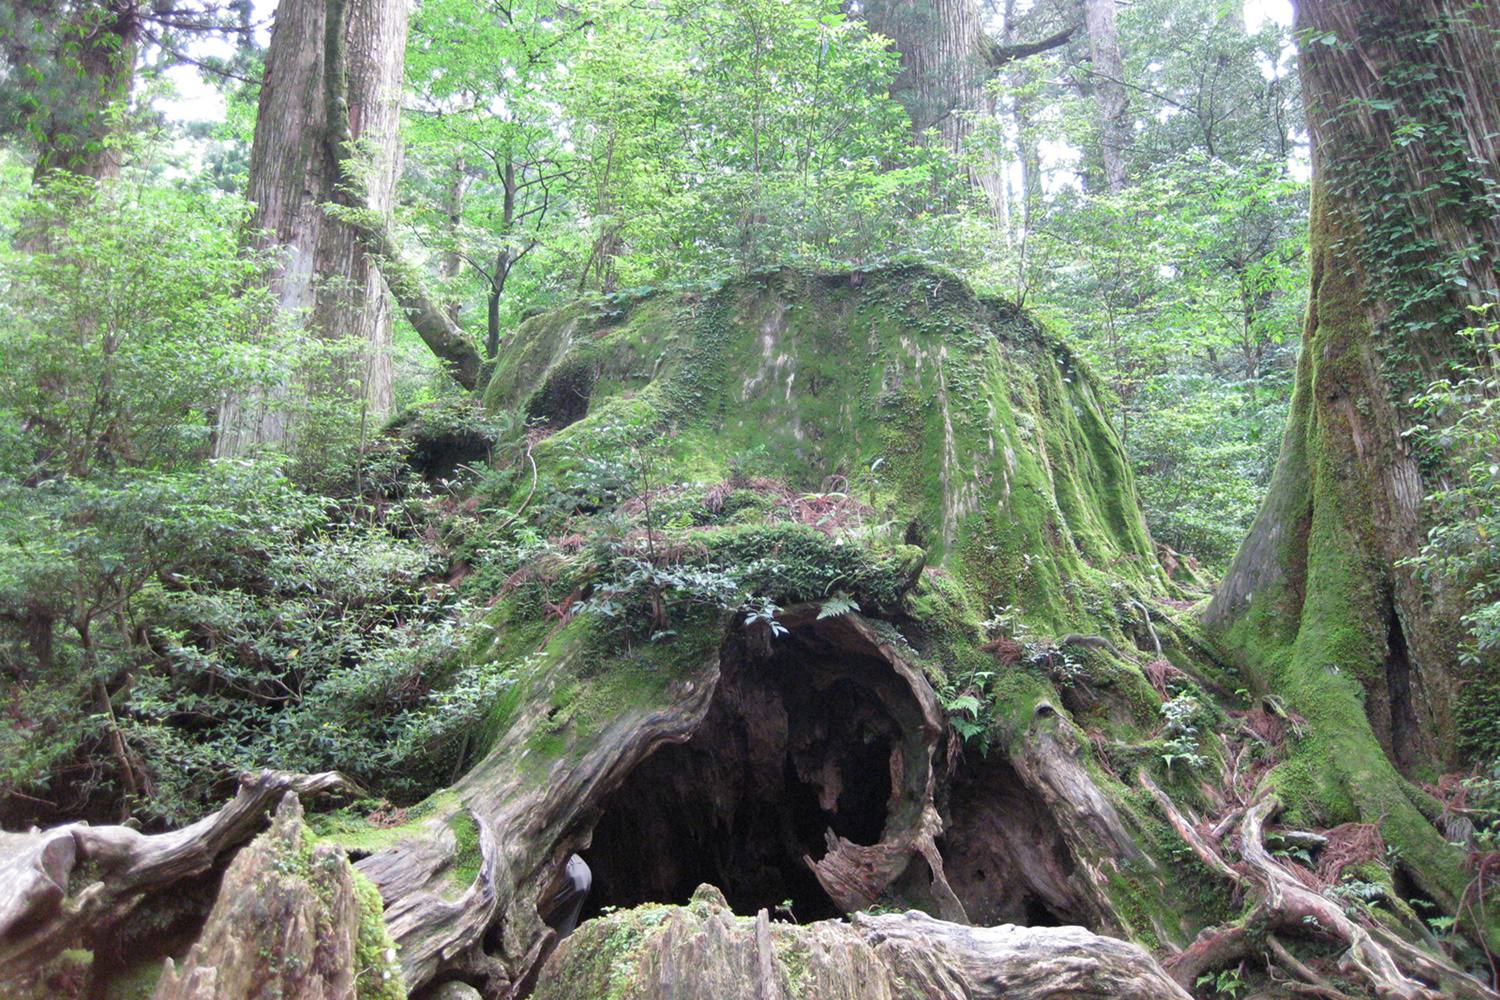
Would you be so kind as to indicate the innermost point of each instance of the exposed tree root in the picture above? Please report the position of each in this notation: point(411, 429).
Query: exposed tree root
point(1393, 969)
point(58, 884)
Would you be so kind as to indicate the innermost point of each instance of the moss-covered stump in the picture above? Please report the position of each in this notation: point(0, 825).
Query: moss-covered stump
point(958, 420)
point(705, 950)
point(291, 920)
point(791, 580)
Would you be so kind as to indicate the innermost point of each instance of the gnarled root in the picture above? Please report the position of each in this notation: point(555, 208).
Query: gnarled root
point(1283, 904)
point(41, 913)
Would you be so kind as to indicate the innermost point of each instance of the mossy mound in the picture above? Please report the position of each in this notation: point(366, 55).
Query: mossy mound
point(949, 422)
point(701, 471)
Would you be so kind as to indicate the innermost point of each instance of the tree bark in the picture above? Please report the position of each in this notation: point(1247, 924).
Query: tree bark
point(1111, 110)
point(325, 277)
point(946, 60)
point(1318, 605)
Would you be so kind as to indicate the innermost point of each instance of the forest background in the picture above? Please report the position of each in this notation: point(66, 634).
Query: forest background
point(1136, 181)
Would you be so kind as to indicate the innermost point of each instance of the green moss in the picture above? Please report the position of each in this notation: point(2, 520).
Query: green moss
point(604, 968)
point(467, 857)
point(585, 696)
point(793, 563)
point(958, 420)
point(377, 971)
point(352, 831)
point(1016, 694)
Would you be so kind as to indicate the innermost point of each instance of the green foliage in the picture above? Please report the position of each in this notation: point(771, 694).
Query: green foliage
point(129, 312)
point(1203, 449)
point(1462, 420)
point(234, 623)
point(1181, 735)
point(1228, 983)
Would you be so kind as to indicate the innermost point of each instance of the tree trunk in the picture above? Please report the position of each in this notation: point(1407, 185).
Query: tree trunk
point(1108, 79)
point(77, 137)
point(946, 60)
point(1317, 605)
point(326, 276)
point(454, 195)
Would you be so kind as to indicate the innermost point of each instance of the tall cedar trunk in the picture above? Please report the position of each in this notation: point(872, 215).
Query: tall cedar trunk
point(1108, 79)
point(944, 66)
point(1317, 605)
point(325, 274)
point(451, 263)
point(77, 137)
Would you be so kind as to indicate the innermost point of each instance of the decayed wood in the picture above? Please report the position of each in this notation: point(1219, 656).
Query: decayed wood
point(530, 823)
point(531, 817)
point(703, 950)
point(55, 884)
point(855, 875)
point(1046, 758)
point(1012, 963)
point(279, 928)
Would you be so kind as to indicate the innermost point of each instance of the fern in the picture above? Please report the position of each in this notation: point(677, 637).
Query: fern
point(839, 604)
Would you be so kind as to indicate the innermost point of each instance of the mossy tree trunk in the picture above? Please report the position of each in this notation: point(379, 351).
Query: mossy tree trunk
point(1404, 111)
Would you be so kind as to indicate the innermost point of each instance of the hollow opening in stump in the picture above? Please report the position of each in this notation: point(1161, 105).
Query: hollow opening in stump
point(801, 738)
point(1005, 854)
